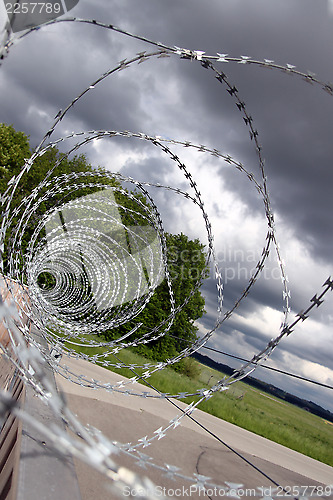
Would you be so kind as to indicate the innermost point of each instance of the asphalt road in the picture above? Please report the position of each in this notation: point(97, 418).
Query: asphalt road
point(127, 418)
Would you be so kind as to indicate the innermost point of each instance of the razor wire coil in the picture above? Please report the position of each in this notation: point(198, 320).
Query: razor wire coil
point(75, 252)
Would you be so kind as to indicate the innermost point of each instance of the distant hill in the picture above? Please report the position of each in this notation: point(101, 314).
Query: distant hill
point(271, 389)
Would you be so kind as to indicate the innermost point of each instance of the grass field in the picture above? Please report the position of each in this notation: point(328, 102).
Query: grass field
point(246, 407)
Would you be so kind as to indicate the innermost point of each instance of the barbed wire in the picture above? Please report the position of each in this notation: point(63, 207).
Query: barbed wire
point(93, 269)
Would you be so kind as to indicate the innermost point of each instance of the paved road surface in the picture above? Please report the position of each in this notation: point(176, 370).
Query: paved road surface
point(128, 418)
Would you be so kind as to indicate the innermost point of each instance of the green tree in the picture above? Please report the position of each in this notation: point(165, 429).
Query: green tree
point(187, 265)
point(14, 148)
point(185, 257)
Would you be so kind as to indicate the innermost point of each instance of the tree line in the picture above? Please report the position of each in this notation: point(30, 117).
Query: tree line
point(185, 257)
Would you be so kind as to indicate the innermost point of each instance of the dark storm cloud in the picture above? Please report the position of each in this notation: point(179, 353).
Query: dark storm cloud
point(294, 132)
point(296, 141)
point(154, 168)
point(62, 75)
point(290, 115)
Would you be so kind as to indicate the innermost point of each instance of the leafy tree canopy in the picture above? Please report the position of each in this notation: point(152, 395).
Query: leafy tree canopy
point(185, 257)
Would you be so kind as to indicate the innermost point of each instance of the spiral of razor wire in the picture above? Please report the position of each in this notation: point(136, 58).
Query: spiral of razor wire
point(104, 270)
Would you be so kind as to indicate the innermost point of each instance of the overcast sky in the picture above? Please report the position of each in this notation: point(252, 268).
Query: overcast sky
point(179, 99)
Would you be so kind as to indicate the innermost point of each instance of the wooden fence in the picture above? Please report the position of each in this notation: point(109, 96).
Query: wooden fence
point(10, 426)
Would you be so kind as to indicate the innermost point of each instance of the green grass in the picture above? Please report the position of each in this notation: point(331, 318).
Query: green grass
point(246, 407)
